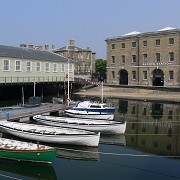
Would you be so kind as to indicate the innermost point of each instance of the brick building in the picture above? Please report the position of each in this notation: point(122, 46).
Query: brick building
point(83, 59)
point(151, 59)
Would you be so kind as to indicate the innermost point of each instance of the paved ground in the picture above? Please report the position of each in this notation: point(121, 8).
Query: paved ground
point(127, 93)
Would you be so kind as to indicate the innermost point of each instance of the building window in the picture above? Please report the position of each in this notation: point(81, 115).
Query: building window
point(123, 59)
point(47, 67)
point(145, 58)
point(133, 75)
point(171, 57)
point(171, 75)
point(158, 42)
point(55, 67)
point(113, 74)
point(17, 65)
point(133, 44)
point(38, 66)
point(28, 66)
point(62, 67)
point(113, 59)
point(71, 68)
point(133, 58)
point(113, 46)
point(158, 57)
point(171, 41)
point(123, 45)
point(144, 43)
point(6, 65)
point(144, 75)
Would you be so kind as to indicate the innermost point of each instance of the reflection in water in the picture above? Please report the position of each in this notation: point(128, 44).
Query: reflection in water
point(113, 139)
point(33, 170)
point(151, 126)
point(78, 152)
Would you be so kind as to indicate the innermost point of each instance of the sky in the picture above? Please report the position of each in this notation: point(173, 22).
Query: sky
point(88, 22)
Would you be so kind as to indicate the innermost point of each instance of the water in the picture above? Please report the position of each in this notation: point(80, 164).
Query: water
point(150, 149)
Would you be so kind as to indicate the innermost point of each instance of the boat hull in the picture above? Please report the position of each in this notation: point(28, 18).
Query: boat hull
point(71, 139)
point(41, 156)
point(89, 115)
point(109, 127)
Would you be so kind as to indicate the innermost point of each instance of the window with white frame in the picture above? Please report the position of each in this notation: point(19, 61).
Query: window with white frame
point(113, 74)
point(144, 75)
point(171, 57)
point(62, 68)
point(47, 67)
point(17, 65)
point(145, 43)
point(6, 65)
point(123, 59)
point(38, 66)
point(70, 68)
point(133, 75)
point(113, 59)
point(145, 58)
point(113, 46)
point(171, 75)
point(133, 58)
point(158, 57)
point(55, 67)
point(158, 42)
point(123, 45)
point(133, 44)
point(171, 41)
point(28, 66)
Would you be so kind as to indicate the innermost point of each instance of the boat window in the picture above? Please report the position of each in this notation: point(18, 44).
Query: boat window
point(95, 106)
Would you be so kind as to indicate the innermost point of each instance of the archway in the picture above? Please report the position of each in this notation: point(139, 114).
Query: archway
point(123, 77)
point(158, 77)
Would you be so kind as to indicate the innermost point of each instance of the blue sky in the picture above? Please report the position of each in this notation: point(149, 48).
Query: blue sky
point(88, 22)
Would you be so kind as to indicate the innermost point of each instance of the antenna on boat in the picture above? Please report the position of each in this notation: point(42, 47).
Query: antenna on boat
point(102, 92)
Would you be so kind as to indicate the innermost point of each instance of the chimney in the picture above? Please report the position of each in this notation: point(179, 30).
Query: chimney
point(53, 46)
point(71, 42)
point(46, 47)
point(30, 45)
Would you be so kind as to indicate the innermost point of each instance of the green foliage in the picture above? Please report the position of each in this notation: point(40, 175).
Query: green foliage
point(101, 65)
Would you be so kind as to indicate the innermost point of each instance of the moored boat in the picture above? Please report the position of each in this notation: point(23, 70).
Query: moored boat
point(24, 151)
point(103, 126)
point(50, 134)
point(87, 109)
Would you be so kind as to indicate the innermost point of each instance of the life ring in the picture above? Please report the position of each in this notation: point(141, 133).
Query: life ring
point(69, 100)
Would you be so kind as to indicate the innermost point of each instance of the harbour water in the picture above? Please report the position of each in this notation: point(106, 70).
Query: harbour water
point(150, 149)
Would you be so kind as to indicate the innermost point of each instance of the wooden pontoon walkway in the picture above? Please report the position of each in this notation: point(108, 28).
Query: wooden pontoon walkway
point(19, 113)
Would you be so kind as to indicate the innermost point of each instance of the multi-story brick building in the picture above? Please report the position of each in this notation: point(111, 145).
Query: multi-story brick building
point(83, 59)
point(151, 58)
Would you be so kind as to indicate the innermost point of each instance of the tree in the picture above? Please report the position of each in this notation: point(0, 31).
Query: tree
point(100, 67)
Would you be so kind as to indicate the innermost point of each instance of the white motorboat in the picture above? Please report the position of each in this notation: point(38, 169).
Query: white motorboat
point(50, 134)
point(103, 126)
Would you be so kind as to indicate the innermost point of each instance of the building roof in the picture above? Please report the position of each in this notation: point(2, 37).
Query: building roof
point(68, 48)
point(28, 53)
point(166, 30)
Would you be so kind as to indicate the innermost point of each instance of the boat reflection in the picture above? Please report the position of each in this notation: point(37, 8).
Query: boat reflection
point(78, 152)
point(113, 139)
point(32, 170)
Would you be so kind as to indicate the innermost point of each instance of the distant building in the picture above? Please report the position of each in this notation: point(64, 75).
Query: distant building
point(28, 64)
point(151, 58)
point(83, 59)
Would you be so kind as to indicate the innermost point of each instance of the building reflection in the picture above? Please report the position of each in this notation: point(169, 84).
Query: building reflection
point(152, 126)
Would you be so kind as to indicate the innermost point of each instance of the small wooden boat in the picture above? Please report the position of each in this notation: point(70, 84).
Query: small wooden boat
point(87, 109)
point(23, 151)
point(50, 134)
point(103, 126)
